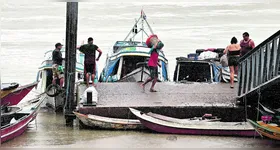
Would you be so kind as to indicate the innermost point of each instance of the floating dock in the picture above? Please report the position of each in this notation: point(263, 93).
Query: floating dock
point(172, 99)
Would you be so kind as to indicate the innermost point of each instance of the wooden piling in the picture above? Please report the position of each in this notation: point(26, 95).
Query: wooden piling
point(70, 62)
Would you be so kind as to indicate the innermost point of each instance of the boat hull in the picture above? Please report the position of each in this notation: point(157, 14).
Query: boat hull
point(15, 96)
point(266, 130)
point(14, 130)
point(171, 130)
point(162, 126)
point(109, 123)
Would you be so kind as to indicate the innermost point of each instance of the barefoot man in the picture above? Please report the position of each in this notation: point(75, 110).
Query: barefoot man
point(90, 61)
point(156, 45)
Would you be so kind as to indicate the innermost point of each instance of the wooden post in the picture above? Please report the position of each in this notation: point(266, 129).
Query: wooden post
point(70, 63)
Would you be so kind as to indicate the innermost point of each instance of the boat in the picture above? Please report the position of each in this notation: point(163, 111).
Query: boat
point(21, 119)
point(267, 111)
point(198, 68)
point(12, 93)
point(204, 118)
point(55, 98)
point(195, 127)
point(100, 122)
point(127, 60)
point(270, 130)
point(8, 113)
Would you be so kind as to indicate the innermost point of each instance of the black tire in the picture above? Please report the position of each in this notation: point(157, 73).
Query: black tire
point(54, 87)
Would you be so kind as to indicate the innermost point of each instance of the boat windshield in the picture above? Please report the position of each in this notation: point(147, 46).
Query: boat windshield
point(130, 63)
point(193, 72)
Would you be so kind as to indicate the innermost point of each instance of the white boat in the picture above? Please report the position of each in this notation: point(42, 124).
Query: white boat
point(44, 76)
point(127, 60)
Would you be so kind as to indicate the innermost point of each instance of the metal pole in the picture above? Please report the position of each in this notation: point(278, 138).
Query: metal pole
point(71, 44)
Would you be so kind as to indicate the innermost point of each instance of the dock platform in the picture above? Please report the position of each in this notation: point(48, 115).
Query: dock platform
point(172, 99)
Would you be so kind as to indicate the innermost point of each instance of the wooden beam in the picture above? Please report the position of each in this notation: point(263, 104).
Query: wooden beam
point(71, 44)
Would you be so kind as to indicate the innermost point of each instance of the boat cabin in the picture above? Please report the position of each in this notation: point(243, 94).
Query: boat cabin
point(129, 63)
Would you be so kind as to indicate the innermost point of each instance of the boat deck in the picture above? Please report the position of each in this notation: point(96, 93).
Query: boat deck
point(172, 99)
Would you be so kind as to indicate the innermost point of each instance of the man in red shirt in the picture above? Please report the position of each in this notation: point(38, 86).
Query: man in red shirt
point(153, 63)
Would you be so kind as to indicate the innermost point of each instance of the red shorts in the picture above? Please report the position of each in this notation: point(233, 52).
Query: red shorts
point(89, 68)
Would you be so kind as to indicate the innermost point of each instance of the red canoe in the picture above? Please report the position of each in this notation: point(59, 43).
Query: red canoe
point(23, 118)
point(195, 127)
point(14, 96)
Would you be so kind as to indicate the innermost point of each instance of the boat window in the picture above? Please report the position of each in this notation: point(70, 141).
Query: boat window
point(130, 64)
point(115, 71)
point(193, 72)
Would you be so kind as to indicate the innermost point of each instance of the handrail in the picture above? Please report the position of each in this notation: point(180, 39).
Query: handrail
point(259, 66)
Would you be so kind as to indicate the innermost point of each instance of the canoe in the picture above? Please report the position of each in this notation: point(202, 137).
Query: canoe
point(195, 127)
point(8, 113)
point(14, 95)
point(9, 86)
point(95, 121)
point(268, 130)
point(22, 118)
point(188, 120)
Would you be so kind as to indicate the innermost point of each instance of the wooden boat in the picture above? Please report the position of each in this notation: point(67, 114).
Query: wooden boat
point(8, 113)
point(12, 96)
point(108, 123)
point(195, 127)
point(22, 118)
point(268, 130)
point(188, 120)
point(193, 69)
point(126, 60)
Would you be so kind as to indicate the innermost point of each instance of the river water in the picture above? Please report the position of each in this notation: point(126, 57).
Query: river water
point(29, 28)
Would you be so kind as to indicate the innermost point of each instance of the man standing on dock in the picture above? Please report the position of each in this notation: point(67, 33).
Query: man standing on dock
point(246, 44)
point(90, 62)
point(156, 46)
